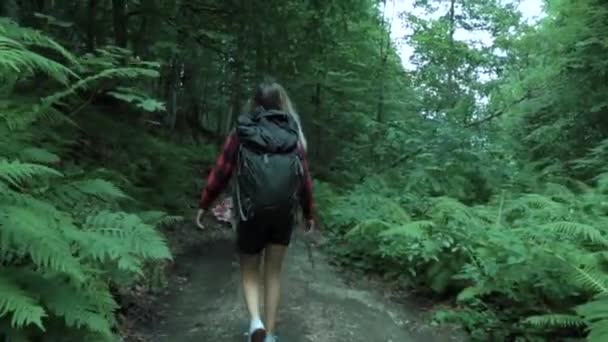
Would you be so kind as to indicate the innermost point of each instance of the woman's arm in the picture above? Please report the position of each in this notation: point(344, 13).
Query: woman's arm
point(221, 173)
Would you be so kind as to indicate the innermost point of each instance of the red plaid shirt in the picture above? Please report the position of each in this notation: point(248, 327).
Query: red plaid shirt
point(221, 173)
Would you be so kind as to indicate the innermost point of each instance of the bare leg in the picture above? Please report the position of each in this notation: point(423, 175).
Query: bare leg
point(273, 264)
point(250, 274)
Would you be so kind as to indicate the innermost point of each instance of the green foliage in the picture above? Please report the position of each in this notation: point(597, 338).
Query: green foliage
point(18, 60)
point(64, 241)
point(514, 252)
point(478, 175)
point(60, 255)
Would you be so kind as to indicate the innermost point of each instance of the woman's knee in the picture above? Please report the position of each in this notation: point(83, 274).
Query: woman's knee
point(274, 256)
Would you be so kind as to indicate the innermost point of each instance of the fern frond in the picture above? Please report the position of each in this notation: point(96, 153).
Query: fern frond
point(558, 191)
point(368, 227)
point(86, 307)
point(577, 230)
point(20, 117)
point(77, 191)
point(16, 173)
point(471, 292)
point(602, 182)
point(139, 98)
point(416, 229)
point(556, 321)
point(24, 309)
point(123, 238)
point(595, 314)
point(536, 201)
point(117, 73)
point(448, 210)
point(29, 233)
point(592, 279)
point(38, 155)
point(159, 218)
point(44, 208)
point(89, 306)
point(15, 58)
point(33, 37)
point(99, 188)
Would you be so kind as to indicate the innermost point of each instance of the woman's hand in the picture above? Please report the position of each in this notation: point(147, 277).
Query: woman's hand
point(312, 233)
point(310, 226)
point(199, 218)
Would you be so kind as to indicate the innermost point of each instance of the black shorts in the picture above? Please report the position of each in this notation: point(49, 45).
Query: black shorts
point(275, 228)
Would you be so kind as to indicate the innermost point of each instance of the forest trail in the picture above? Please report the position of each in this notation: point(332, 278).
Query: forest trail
point(205, 303)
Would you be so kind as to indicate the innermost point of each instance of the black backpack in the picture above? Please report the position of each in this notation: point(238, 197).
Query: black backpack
point(269, 168)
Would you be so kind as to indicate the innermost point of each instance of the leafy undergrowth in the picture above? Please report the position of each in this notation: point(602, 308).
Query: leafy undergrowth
point(160, 175)
point(80, 216)
point(525, 266)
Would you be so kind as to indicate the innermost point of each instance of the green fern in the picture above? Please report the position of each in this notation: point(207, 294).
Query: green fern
point(59, 260)
point(16, 173)
point(76, 191)
point(579, 231)
point(25, 114)
point(23, 309)
point(140, 99)
point(416, 229)
point(602, 183)
point(368, 227)
point(536, 203)
point(159, 218)
point(16, 59)
point(556, 320)
point(32, 37)
point(87, 306)
point(38, 156)
point(123, 238)
point(37, 236)
point(591, 278)
point(472, 292)
point(595, 314)
point(446, 210)
point(117, 73)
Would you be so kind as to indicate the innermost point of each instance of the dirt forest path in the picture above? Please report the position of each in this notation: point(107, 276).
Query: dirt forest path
point(205, 303)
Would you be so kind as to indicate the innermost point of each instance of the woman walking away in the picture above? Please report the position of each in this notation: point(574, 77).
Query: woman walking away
point(267, 152)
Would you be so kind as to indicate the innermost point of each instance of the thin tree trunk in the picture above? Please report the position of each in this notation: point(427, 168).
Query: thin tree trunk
point(319, 130)
point(259, 53)
point(385, 44)
point(91, 24)
point(119, 11)
point(141, 42)
point(205, 105)
point(451, 65)
point(237, 80)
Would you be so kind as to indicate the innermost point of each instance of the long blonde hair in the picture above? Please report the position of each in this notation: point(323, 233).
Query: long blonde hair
point(271, 95)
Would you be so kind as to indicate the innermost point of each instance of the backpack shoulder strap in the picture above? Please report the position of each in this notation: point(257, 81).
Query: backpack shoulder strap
point(272, 113)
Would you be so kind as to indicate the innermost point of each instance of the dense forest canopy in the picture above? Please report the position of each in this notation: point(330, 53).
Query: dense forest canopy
point(477, 176)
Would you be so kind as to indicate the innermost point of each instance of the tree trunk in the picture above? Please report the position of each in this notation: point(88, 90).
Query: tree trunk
point(451, 64)
point(385, 44)
point(91, 24)
point(119, 11)
point(237, 75)
point(317, 115)
point(259, 53)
